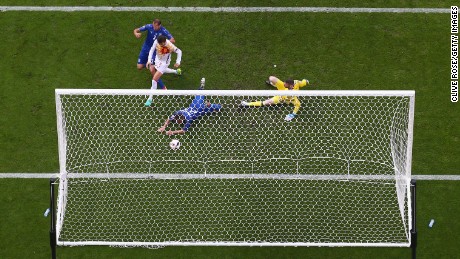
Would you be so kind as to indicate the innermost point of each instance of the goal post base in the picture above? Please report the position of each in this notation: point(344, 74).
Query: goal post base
point(413, 231)
point(53, 218)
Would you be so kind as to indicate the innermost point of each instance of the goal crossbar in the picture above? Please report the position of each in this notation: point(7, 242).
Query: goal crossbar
point(235, 93)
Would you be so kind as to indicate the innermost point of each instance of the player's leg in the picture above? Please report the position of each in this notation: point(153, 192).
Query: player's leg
point(199, 100)
point(152, 66)
point(152, 69)
point(173, 71)
point(273, 80)
point(303, 82)
point(214, 107)
point(273, 100)
point(202, 83)
point(159, 68)
point(155, 79)
point(254, 104)
point(161, 85)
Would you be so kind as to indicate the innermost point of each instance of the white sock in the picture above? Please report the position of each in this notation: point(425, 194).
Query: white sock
point(170, 71)
point(154, 87)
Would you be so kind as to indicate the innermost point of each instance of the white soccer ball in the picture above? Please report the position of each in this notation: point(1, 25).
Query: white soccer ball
point(174, 144)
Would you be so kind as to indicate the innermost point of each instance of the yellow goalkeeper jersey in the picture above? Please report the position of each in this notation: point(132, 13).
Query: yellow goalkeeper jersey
point(290, 99)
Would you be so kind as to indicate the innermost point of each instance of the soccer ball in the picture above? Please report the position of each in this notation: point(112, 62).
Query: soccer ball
point(174, 144)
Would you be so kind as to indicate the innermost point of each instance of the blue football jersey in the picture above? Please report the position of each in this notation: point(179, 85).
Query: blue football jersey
point(152, 35)
point(192, 113)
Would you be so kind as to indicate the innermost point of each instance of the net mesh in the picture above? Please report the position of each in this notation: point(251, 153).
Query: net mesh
point(335, 174)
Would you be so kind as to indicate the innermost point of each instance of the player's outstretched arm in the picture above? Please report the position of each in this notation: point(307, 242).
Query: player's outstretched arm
point(137, 33)
point(163, 128)
point(291, 116)
point(174, 132)
point(302, 83)
point(179, 57)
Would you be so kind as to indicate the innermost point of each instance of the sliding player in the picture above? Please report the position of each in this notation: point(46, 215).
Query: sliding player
point(198, 108)
point(289, 84)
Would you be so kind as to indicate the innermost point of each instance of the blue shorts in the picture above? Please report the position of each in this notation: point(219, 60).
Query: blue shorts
point(144, 54)
point(199, 104)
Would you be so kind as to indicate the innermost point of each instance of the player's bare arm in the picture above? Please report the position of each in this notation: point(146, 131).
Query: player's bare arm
point(179, 57)
point(174, 132)
point(163, 128)
point(137, 33)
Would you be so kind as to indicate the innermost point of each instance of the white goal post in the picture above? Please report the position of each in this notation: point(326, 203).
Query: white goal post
point(338, 174)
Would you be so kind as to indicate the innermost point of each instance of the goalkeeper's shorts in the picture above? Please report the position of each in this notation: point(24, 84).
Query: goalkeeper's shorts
point(277, 99)
point(283, 99)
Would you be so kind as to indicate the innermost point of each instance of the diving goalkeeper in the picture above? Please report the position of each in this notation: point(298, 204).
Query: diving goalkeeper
point(198, 108)
point(289, 84)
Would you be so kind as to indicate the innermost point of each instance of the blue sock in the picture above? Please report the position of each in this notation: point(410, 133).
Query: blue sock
point(161, 85)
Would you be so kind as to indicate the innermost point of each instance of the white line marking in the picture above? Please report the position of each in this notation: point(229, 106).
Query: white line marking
point(51, 175)
point(223, 9)
point(28, 175)
point(437, 177)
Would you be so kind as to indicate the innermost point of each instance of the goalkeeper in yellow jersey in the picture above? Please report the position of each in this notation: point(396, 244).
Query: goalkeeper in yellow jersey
point(289, 84)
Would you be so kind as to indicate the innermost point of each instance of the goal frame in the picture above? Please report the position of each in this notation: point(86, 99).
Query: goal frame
point(61, 202)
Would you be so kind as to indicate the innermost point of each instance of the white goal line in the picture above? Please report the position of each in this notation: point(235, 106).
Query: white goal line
point(149, 176)
point(222, 9)
point(240, 244)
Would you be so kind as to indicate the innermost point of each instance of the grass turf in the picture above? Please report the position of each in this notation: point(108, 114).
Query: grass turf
point(44, 51)
point(334, 51)
point(214, 3)
point(25, 233)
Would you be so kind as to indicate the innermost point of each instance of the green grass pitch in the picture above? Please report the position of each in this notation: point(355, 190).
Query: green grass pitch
point(41, 51)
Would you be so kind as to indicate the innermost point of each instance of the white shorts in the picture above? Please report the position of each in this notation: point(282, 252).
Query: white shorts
point(161, 66)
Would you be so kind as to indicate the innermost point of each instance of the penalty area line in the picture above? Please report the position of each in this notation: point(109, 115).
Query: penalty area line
point(222, 9)
point(51, 175)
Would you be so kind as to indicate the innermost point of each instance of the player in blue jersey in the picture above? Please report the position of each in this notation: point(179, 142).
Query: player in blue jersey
point(198, 108)
point(154, 30)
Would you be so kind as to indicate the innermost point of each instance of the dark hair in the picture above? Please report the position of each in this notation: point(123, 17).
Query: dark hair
point(180, 117)
point(157, 21)
point(161, 39)
point(289, 81)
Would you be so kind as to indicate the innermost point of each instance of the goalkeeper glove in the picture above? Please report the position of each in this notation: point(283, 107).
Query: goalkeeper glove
point(289, 117)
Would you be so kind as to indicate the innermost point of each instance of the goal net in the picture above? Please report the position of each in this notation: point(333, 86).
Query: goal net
point(338, 174)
